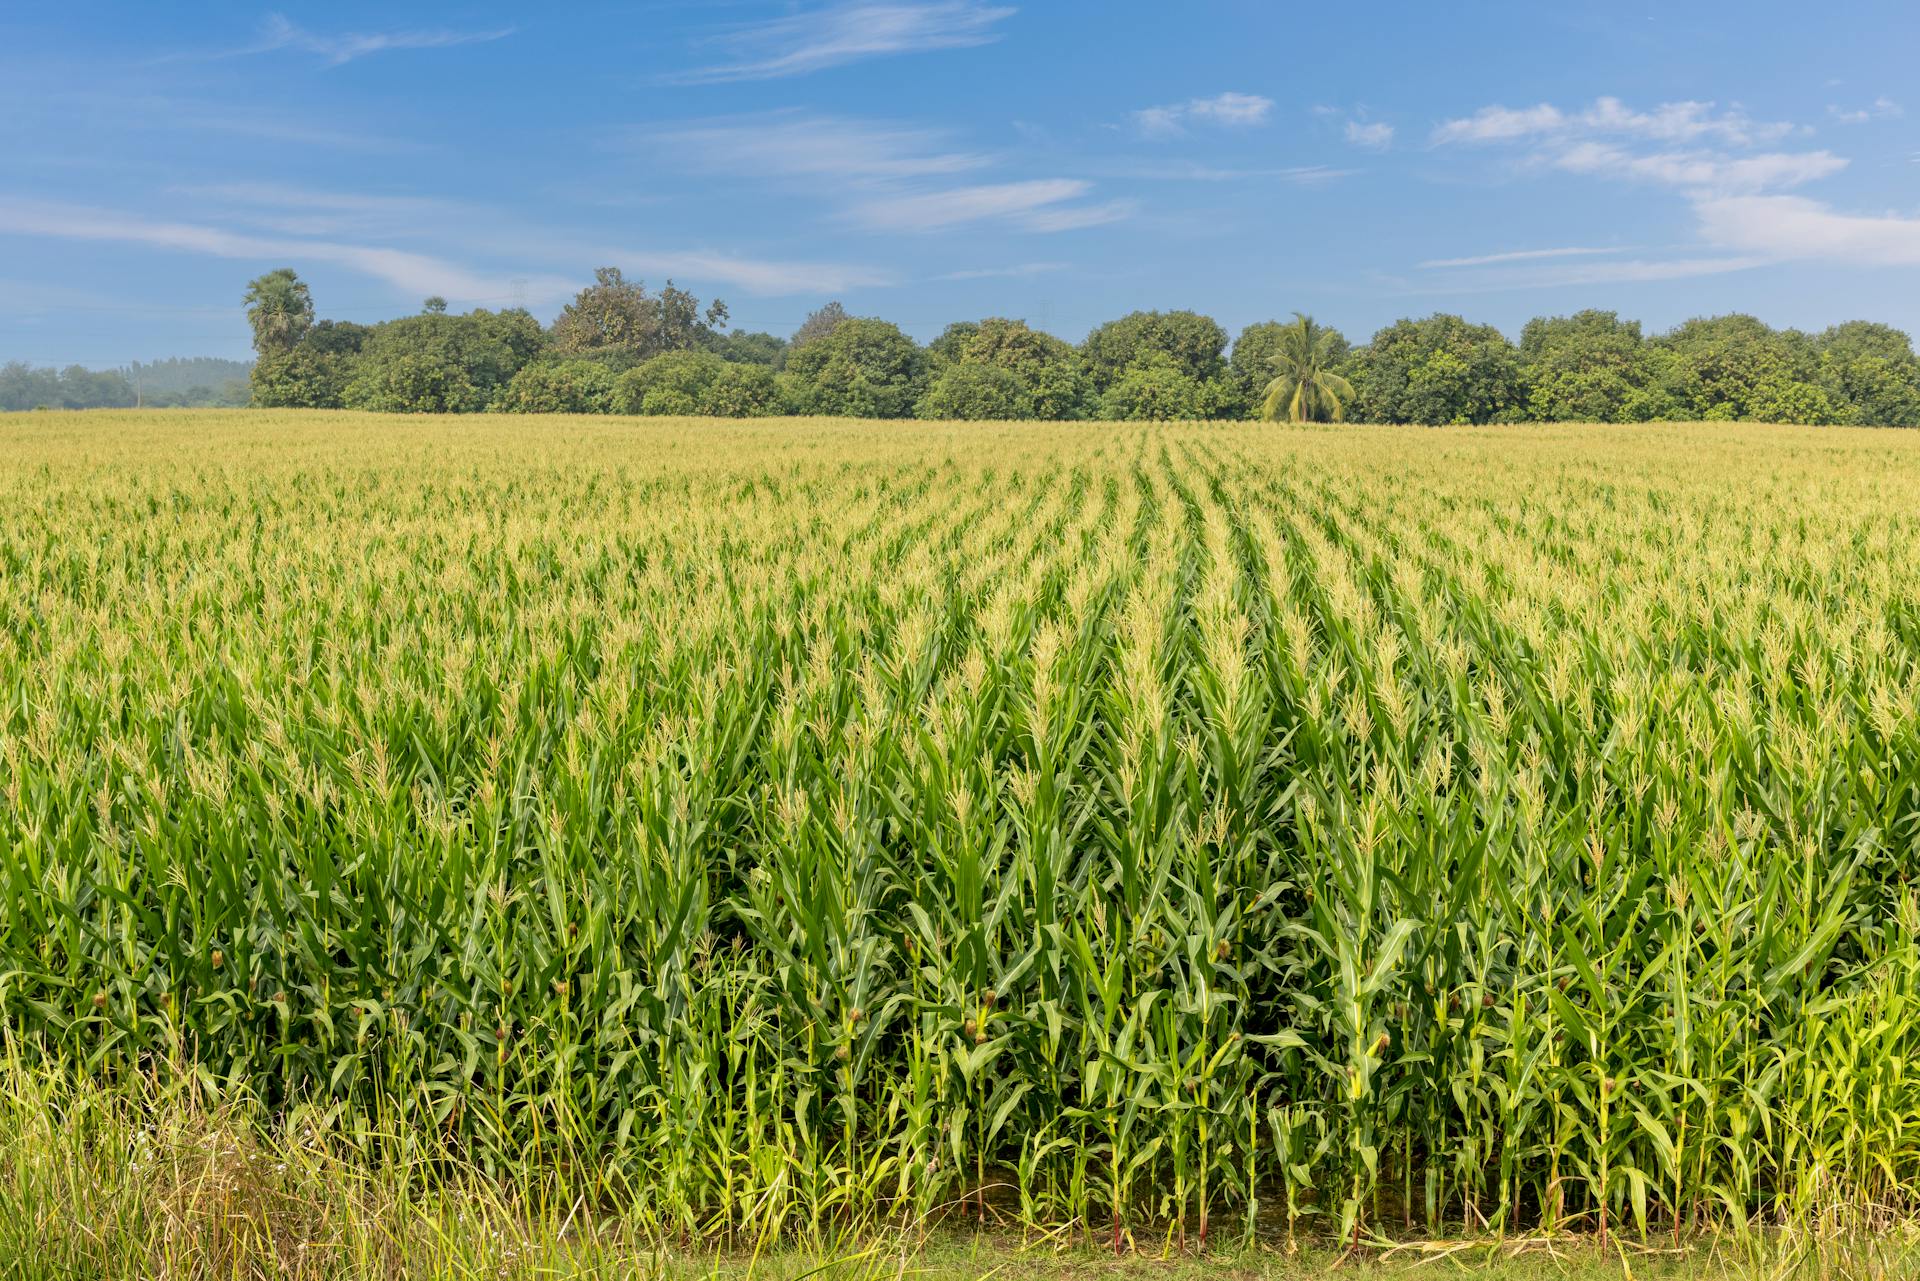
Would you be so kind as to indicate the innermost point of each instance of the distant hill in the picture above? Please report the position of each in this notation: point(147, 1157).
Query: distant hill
point(181, 374)
point(182, 381)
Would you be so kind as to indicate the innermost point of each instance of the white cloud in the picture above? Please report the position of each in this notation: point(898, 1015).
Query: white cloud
point(1736, 194)
point(1795, 227)
point(1376, 135)
point(279, 33)
point(1668, 122)
point(1702, 171)
point(1189, 171)
point(788, 144)
point(1516, 255)
point(1018, 271)
point(1500, 124)
point(1233, 109)
point(884, 175)
point(1227, 110)
point(1505, 274)
point(1037, 205)
point(413, 273)
point(843, 33)
point(416, 273)
point(1881, 109)
point(756, 275)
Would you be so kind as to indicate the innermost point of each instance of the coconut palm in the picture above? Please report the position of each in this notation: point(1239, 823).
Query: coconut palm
point(1305, 387)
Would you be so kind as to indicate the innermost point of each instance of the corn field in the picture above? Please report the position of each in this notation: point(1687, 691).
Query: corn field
point(1138, 831)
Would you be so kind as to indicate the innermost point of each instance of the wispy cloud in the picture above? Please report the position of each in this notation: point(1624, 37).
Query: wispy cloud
point(1669, 122)
point(420, 274)
point(820, 38)
point(1018, 271)
point(1042, 204)
point(1375, 135)
point(1227, 110)
point(1738, 195)
point(1516, 255)
point(411, 272)
point(1795, 227)
point(280, 33)
point(1508, 275)
point(793, 144)
point(305, 211)
point(1193, 171)
point(885, 176)
point(1356, 126)
point(755, 275)
point(1702, 171)
point(1686, 145)
point(1880, 109)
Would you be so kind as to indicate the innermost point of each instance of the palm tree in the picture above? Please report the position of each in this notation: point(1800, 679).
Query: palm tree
point(280, 309)
point(1305, 386)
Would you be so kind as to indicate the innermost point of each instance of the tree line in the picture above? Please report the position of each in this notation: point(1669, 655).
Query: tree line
point(181, 382)
point(619, 348)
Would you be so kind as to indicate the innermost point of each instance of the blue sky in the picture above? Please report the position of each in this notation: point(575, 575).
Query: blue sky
point(933, 160)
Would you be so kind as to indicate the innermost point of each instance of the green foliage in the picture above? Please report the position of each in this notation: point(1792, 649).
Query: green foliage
point(750, 348)
point(280, 310)
point(1191, 342)
point(617, 321)
point(742, 391)
point(1735, 367)
point(861, 369)
point(558, 387)
point(23, 386)
point(315, 373)
point(819, 323)
point(1304, 386)
point(1590, 367)
point(668, 385)
point(1869, 374)
point(951, 345)
point(1032, 374)
point(1439, 369)
point(434, 363)
point(1157, 388)
point(972, 392)
point(688, 383)
point(1251, 365)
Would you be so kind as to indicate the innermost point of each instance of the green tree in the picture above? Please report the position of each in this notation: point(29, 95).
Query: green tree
point(1155, 388)
point(1723, 368)
point(741, 390)
point(1194, 343)
point(1304, 386)
point(434, 306)
point(442, 363)
point(818, 324)
point(315, 374)
point(1589, 367)
point(1250, 366)
point(746, 348)
point(280, 309)
point(558, 387)
point(863, 369)
point(1439, 369)
point(974, 392)
point(1870, 374)
point(951, 345)
point(675, 383)
point(615, 320)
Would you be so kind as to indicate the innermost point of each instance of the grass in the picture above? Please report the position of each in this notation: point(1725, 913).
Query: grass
point(1180, 840)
